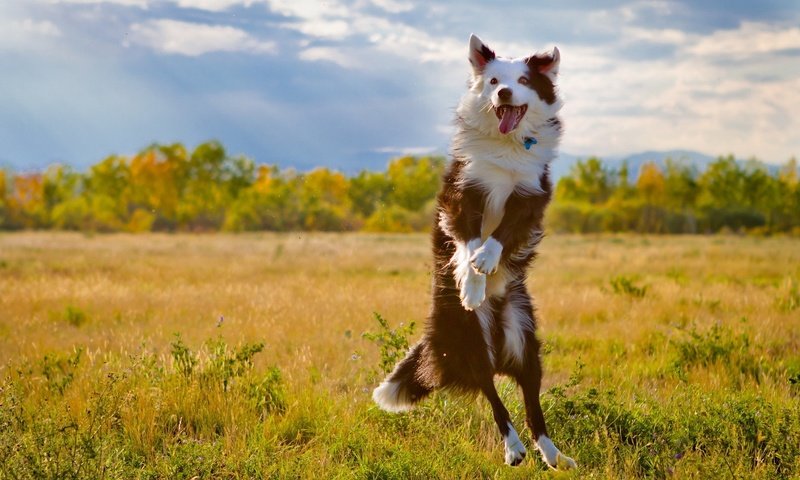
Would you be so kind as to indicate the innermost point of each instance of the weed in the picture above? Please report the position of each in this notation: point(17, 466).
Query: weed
point(717, 345)
point(789, 299)
point(393, 343)
point(623, 285)
point(225, 365)
point(75, 316)
point(59, 369)
point(267, 393)
point(184, 360)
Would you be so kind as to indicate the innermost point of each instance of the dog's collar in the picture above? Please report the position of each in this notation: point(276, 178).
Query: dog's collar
point(529, 142)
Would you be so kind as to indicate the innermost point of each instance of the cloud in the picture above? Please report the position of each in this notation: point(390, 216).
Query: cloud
point(194, 39)
point(329, 54)
point(44, 27)
point(27, 34)
point(749, 39)
point(667, 36)
point(362, 34)
point(393, 6)
point(143, 4)
point(692, 98)
point(406, 150)
point(214, 5)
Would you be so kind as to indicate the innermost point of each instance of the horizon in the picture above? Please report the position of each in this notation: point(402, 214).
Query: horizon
point(350, 84)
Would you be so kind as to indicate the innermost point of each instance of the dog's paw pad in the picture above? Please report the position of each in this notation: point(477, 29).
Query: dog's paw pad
point(473, 291)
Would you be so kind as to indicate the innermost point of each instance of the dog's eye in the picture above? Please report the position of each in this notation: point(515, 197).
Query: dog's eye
point(493, 81)
point(523, 80)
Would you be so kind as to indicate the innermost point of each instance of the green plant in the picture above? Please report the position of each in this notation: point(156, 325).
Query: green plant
point(718, 344)
point(623, 285)
point(225, 364)
point(393, 343)
point(75, 316)
point(184, 360)
point(267, 393)
point(59, 369)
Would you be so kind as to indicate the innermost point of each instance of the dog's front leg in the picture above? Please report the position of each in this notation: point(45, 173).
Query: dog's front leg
point(460, 219)
point(486, 258)
point(472, 284)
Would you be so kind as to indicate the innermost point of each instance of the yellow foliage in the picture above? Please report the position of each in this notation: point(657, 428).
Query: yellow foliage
point(651, 182)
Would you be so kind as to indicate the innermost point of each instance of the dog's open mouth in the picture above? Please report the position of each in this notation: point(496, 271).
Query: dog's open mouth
point(509, 116)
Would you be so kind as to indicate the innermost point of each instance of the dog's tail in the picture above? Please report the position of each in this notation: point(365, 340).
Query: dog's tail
point(404, 387)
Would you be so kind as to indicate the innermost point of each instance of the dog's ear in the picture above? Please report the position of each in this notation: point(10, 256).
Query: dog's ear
point(479, 53)
point(544, 63)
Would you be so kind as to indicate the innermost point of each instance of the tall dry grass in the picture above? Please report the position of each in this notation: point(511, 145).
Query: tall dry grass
point(665, 356)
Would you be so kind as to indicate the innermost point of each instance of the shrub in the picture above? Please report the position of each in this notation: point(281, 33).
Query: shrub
point(393, 343)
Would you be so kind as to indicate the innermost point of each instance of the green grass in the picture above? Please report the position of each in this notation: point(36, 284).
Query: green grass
point(254, 356)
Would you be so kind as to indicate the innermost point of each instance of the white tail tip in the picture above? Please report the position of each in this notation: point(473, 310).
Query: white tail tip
point(391, 397)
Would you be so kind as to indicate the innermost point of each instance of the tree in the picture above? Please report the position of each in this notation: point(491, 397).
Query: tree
point(369, 191)
point(589, 181)
point(414, 181)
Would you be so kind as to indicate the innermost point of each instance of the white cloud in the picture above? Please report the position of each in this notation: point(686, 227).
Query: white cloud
point(665, 36)
point(329, 54)
point(44, 28)
point(332, 20)
point(692, 99)
point(143, 4)
point(193, 39)
point(214, 5)
point(322, 28)
point(27, 33)
point(750, 38)
point(393, 6)
point(406, 150)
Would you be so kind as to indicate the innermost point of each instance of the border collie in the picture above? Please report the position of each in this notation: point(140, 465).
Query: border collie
point(490, 212)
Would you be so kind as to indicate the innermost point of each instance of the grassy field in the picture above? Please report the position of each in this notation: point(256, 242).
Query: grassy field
point(179, 356)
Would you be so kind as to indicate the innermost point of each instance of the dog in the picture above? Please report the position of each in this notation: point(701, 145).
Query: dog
point(490, 211)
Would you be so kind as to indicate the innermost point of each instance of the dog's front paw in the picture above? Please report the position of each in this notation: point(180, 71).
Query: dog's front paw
point(473, 291)
point(486, 258)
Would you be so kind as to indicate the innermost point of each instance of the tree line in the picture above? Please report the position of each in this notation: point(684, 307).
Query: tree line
point(170, 188)
point(727, 196)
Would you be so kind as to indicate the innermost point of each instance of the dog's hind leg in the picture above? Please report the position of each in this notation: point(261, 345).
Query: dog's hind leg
point(513, 447)
point(530, 379)
point(403, 388)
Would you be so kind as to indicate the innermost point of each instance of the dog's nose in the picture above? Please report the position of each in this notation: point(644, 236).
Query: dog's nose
point(504, 94)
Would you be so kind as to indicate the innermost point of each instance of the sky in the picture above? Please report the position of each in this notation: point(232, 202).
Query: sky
point(350, 83)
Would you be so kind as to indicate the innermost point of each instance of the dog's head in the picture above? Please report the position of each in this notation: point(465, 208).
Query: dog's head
point(510, 93)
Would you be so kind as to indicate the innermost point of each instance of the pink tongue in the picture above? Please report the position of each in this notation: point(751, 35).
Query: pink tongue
point(509, 120)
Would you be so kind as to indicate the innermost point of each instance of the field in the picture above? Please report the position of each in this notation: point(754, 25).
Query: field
point(242, 356)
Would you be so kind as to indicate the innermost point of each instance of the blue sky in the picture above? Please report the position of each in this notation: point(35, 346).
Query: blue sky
point(350, 83)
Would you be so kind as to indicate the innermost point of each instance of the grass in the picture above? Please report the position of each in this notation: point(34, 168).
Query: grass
point(254, 356)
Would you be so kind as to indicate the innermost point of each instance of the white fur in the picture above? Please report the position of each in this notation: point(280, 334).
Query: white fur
point(516, 322)
point(514, 449)
point(391, 397)
point(485, 316)
point(473, 291)
point(553, 456)
point(496, 161)
point(487, 256)
point(471, 284)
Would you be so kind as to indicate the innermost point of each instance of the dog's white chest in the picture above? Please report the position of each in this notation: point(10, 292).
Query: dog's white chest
point(499, 183)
